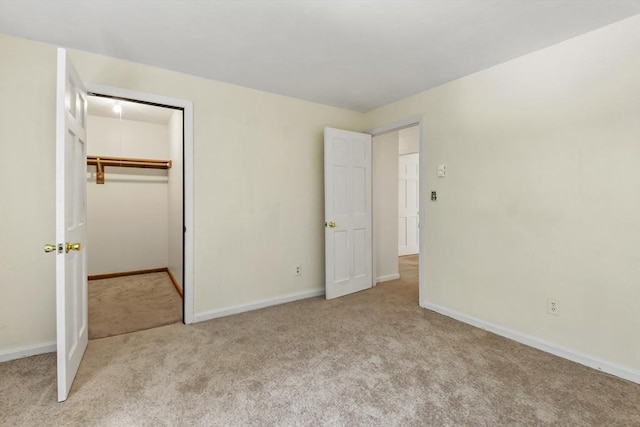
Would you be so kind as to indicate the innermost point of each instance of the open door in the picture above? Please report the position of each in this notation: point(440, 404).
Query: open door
point(71, 263)
point(409, 202)
point(347, 189)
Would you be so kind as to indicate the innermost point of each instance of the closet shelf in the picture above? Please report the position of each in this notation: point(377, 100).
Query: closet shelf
point(101, 161)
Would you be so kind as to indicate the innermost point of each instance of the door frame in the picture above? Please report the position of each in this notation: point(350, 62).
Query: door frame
point(188, 178)
point(422, 182)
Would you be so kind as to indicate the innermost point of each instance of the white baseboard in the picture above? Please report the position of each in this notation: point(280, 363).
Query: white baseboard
point(31, 350)
point(386, 278)
point(214, 314)
point(583, 359)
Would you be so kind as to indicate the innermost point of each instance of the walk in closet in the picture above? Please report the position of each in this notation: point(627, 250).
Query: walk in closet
point(134, 215)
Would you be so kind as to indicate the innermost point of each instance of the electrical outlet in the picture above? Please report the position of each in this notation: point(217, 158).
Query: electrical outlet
point(552, 307)
point(298, 270)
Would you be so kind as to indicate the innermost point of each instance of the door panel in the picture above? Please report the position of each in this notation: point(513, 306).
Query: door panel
point(347, 212)
point(409, 203)
point(71, 264)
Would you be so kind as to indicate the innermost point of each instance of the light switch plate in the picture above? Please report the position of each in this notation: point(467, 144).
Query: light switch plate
point(442, 170)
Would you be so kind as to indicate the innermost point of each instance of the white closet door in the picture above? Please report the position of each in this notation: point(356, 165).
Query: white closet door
point(71, 208)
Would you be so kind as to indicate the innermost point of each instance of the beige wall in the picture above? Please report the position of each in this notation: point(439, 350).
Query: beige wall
point(258, 185)
point(542, 194)
point(27, 196)
point(127, 216)
point(409, 140)
point(385, 205)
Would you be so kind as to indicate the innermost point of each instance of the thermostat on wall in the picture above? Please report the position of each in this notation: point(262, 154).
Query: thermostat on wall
point(442, 170)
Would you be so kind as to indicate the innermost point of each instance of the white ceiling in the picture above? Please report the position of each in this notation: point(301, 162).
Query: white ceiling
point(352, 54)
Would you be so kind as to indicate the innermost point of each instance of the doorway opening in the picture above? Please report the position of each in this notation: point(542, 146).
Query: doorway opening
point(409, 203)
point(135, 201)
point(397, 179)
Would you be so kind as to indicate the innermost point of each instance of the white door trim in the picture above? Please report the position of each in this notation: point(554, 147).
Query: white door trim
point(187, 106)
point(422, 256)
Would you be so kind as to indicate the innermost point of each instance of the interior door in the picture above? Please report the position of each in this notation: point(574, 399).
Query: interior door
point(347, 187)
point(71, 178)
point(408, 191)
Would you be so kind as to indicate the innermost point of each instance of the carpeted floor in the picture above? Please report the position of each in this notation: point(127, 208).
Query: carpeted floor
point(132, 303)
point(369, 359)
point(408, 269)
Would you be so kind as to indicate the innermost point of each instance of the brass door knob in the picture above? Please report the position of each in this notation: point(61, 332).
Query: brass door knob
point(49, 248)
point(332, 224)
point(73, 247)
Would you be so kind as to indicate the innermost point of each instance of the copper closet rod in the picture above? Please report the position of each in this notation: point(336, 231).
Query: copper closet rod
point(101, 161)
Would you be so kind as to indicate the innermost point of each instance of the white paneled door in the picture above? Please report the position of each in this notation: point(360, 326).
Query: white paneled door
point(71, 178)
point(409, 203)
point(347, 187)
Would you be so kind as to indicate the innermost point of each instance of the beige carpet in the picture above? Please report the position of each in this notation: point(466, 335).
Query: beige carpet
point(370, 359)
point(408, 268)
point(132, 303)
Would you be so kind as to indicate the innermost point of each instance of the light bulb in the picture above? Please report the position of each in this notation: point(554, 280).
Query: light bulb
point(117, 108)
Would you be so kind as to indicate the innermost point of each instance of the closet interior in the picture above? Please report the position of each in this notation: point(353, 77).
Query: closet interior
point(134, 215)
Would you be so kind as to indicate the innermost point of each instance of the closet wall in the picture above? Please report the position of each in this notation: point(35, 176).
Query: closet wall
point(127, 217)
